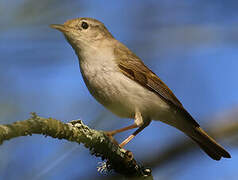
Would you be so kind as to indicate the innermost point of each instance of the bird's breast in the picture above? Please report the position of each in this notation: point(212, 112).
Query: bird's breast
point(118, 93)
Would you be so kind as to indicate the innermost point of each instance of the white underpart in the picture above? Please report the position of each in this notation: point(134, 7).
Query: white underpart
point(117, 92)
point(138, 118)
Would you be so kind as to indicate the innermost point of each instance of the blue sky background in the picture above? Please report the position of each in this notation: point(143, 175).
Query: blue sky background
point(191, 45)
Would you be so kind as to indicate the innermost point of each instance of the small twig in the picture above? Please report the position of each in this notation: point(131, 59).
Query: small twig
point(99, 144)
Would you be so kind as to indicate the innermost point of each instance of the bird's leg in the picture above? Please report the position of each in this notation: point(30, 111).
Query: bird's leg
point(137, 123)
point(140, 123)
point(112, 133)
point(127, 140)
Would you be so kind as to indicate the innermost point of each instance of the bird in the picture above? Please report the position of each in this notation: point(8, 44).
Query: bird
point(121, 82)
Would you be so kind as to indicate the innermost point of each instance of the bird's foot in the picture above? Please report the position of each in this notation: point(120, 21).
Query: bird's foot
point(110, 135)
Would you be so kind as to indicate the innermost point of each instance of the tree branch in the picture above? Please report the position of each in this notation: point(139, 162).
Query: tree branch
point(99, 144)
point(222, 128)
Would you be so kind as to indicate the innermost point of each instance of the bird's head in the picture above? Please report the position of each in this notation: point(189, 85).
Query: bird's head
point(84, 33)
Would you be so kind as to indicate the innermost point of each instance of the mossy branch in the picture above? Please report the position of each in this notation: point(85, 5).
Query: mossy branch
point(98, 143)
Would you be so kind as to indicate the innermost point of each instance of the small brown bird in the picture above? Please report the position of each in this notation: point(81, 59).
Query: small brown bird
point(120, 81)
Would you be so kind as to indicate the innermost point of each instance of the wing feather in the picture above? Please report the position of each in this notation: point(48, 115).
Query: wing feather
point(131, 66)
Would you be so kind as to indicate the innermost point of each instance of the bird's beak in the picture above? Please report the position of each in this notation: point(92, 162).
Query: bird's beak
point(59, 27)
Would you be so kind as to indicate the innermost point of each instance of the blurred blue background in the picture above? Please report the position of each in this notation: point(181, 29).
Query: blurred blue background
point(191, 45)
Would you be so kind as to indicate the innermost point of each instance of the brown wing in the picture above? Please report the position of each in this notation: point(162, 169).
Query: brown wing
point(149, 80)
point(131, 66)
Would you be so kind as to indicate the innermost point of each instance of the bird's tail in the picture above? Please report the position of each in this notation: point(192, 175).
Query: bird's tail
point(208, 144)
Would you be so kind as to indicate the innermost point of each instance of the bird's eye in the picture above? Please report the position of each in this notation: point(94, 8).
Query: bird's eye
point(84, 25)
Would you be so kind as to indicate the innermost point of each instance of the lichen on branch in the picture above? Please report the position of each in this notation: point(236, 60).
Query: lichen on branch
point(97, 142)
